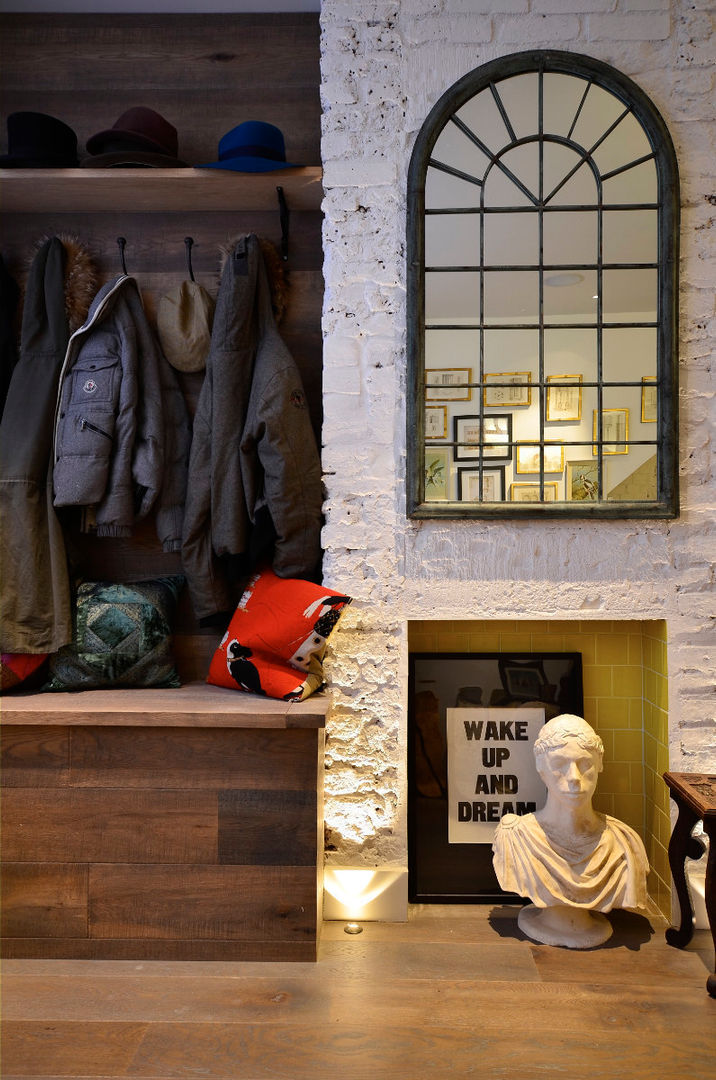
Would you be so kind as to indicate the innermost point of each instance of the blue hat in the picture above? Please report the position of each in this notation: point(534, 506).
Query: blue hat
point(253, 146)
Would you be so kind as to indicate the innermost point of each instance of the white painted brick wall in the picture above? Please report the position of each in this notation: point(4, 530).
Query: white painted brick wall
point(384, 64)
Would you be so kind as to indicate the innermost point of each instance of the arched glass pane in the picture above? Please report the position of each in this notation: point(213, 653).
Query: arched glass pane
point(559, 163)
point(443, 191)
point(562, 96)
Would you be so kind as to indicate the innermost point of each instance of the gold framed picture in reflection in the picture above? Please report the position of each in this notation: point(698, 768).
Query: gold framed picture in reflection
point(582, 484)
point(648, 399)
point(511, 389)
point(531, 492)
point(436, 421)
point(448, 384)
point(615, 431)
point(528, 458)
point(564, 398)
point(437, 474)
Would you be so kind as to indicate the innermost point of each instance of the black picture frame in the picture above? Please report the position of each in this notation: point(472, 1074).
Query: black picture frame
point(487, 448)
point(493, 470)
point(440, 872)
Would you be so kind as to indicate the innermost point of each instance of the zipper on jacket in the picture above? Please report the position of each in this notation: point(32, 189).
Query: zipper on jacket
point(84, 423)
point(71, 344)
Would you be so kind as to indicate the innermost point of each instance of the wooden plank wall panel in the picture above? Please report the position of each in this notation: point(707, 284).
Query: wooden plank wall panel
point(204, 73)
point(46, 901)
point(32, 756)
point(84, 826)
point(39, 948)
point(195, 902)
point(191, 758)
point(267, 827)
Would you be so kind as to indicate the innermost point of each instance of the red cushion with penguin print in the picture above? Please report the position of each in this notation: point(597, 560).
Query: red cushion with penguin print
point(276, 639)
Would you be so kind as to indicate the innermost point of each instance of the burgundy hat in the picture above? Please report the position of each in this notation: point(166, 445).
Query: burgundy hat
point(140, 137)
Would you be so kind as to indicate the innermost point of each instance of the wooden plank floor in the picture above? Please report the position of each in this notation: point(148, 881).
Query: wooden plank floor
point(457, 991)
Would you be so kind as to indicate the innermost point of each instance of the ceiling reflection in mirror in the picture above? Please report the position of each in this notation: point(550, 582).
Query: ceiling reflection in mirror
point(541, 295)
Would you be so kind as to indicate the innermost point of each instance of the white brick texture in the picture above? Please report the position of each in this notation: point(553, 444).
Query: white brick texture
point(384, 65)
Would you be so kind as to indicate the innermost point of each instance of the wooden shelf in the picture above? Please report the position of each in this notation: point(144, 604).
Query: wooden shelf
point(155, 190)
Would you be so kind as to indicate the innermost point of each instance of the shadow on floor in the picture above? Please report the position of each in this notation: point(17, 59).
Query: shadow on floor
point(631, 930)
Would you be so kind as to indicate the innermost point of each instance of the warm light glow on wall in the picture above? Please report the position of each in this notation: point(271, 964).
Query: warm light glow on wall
point(355, 893)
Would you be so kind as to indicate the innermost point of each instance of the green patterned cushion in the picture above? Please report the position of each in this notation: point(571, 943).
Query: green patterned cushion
point(122, 637)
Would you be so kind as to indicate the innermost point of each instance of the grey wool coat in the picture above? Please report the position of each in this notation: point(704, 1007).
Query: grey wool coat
point(253, 456)
point(121, 428)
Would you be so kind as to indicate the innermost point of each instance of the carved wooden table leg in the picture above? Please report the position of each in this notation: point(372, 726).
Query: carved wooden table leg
point(695, 797)
point(681, 847)
point(710, 830)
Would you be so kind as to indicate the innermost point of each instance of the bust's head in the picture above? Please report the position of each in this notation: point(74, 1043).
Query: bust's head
point(569, 757)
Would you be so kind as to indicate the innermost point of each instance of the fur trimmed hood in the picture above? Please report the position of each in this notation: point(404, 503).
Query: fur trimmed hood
point(81, 279)
point(275, 271)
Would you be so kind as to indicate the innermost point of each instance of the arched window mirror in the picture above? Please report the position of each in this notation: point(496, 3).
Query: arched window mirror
point(542, 286)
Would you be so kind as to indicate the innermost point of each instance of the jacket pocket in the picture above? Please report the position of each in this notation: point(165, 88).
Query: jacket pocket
point(94, 379)
point(83, 454)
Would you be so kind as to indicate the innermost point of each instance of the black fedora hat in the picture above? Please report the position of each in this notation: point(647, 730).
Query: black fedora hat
point(38, 141)
point(139, 137)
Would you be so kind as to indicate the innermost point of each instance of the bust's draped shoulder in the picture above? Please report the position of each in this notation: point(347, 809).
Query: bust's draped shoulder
point(607, 871)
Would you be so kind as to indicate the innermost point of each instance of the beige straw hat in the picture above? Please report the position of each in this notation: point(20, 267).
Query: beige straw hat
point(184, 318)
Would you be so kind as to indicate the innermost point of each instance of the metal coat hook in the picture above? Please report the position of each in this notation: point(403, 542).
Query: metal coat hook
point(121, 244)
point(189, 242)
point(284, 218)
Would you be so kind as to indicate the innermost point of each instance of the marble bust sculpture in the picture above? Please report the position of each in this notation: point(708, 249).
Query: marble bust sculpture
point(572, 862)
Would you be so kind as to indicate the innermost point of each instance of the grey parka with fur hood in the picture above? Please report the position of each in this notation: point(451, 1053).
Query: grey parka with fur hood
point(35, 608)
point(254, 456)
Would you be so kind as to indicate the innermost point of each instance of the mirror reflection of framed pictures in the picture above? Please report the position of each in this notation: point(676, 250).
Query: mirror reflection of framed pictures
point(437, 474)
point(648, 399)
point(615, 431)
point(582, 483)
point(564, 398)
point(436, 421)
point(493, 484)
point(487, 437)
point(528, 458)
point(448, 384)
point(513, 390)
point(523, 493)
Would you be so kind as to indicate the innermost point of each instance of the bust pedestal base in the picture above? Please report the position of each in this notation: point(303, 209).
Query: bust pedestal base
point(574, 928)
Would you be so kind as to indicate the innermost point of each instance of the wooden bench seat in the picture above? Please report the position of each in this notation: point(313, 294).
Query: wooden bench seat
point(162, 824)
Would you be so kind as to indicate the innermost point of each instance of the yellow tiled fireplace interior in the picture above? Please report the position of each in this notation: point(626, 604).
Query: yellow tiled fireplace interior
point(624, 670)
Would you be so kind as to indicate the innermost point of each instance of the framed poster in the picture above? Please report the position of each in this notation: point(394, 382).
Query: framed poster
point(437, 474)
point(615, 431)
point(582, 483)
point(493, 484)
point(648, 399)
point(487, 437)
point(472, 775)
point(528, 458)
point(511, 389)
point(564, 398)
point(448, 384)
point(491, 771)
point(436, 422)
point(531, 492)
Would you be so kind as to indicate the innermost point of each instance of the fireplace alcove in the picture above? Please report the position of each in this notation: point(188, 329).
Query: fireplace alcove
point(624, 672)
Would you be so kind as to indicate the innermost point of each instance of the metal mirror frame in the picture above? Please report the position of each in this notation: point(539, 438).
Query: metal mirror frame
point(666, 504)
